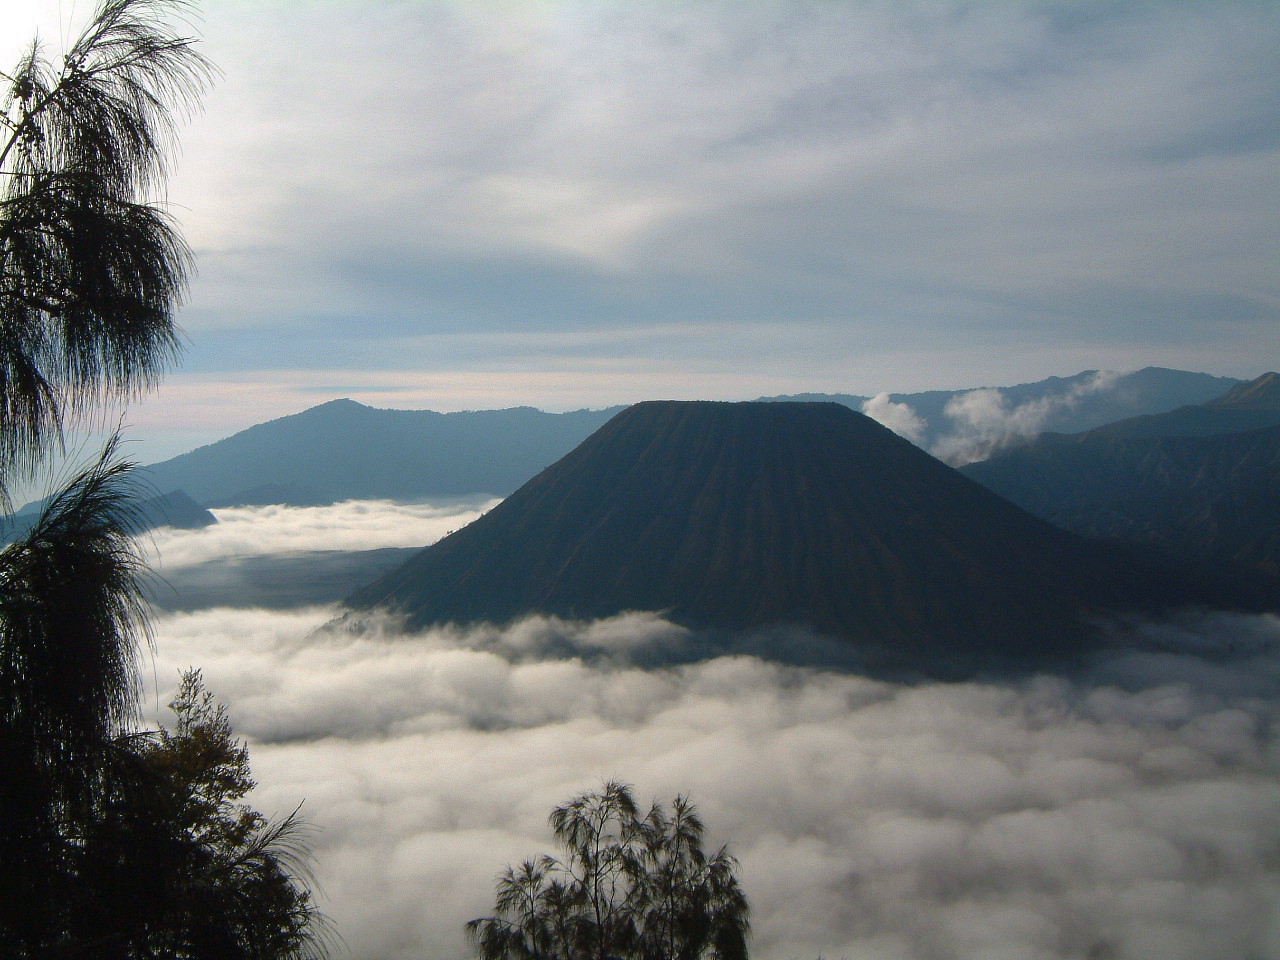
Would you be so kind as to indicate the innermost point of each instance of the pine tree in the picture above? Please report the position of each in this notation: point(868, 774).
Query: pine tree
point(630, 886)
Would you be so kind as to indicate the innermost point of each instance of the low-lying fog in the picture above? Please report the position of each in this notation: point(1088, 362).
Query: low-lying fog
point(1133, 813)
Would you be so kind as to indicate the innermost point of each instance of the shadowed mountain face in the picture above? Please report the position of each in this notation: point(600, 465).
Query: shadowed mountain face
point(1247, 406)
point(343, 450)
point(1202, 481)
point(1260, 394)
point(736, 516)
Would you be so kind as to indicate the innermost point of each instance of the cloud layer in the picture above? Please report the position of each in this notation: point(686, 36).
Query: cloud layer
point(349, 525)
point(1128, 813)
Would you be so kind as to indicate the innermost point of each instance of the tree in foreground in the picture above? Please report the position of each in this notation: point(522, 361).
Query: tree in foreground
point(117, 844)
point(239, 883)
point(91, 267)
point(630, 886)
point(91, 273)
point(99, 853)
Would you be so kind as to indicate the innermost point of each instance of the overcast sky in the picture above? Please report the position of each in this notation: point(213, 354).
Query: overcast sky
point(455, 205)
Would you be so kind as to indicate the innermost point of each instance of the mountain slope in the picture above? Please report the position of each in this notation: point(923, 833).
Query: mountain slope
point(1163, 479)
point(736, 516)
point(344, 450)
point(1247, 406)
point(1262, 393)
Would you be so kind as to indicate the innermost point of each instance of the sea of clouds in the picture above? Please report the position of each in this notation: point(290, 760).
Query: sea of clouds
point(1132, 811)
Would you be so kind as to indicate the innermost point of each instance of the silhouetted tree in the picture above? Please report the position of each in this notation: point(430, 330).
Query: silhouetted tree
point(91, 270)
point(630, 886)
point(71, 616)
point(109, 847)
point(239, 886)
point(167, 861)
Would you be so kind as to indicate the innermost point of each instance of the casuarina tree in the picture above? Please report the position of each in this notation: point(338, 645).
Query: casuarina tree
point(92, 270)
point(91, 266)
point(630, 885)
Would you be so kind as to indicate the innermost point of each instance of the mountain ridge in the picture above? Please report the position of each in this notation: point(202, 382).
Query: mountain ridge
point(324, 453)
point(327, 453)
point(1201, 481)
point(1081, 401)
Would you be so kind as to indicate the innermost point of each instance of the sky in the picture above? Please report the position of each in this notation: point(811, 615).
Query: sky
point(1130, 812)
point(449, 205)
point(468, 205)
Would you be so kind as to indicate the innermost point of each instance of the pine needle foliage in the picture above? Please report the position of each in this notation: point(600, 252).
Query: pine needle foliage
point(72, 616)
point(114, 845)
point(91, 267)
point(631, 885)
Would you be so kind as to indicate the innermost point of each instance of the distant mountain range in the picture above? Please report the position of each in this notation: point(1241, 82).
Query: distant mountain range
point(744, 521)
point(729, 517)
point(344, 450)
point(1086, 400)
point(1202, 481)
point(174, 509)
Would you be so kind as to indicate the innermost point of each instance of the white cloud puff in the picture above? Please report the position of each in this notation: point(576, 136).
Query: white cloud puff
point(981, 421)
point(898, 417)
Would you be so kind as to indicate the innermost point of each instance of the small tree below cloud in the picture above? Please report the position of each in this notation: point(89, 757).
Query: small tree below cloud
point(629, 886)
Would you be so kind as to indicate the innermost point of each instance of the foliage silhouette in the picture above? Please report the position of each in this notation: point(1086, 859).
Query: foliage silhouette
point(71, 615)
point(242, 883)
point(631, 886)
point(166, 860)
point(91, 271)
point(113, 844)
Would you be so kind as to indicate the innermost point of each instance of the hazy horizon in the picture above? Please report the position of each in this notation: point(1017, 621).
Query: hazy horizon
point(976, 416)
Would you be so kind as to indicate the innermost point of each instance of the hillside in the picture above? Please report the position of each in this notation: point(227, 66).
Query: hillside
point(1247, 406)
point(344, 450)
point(1203, 481)
point(1062, 404)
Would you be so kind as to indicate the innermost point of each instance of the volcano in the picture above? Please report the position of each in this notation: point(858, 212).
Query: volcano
point(735, 517)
